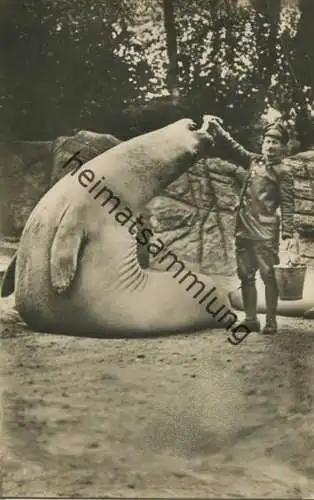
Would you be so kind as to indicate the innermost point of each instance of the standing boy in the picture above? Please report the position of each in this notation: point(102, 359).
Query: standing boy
point(267, 186)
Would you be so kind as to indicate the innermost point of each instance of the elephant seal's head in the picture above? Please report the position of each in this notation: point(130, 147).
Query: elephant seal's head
point(186, 134)
point(140, 168)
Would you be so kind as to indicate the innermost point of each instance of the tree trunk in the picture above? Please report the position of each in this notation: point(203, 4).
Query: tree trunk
point(304, 47)
point(171, 35)
point(270, 11)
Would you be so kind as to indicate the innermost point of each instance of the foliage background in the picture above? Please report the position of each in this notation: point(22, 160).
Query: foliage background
point(104, 65)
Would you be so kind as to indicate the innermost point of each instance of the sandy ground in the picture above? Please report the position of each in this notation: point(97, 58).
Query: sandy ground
point(188, 416)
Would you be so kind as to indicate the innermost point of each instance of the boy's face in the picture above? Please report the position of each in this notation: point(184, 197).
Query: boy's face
point(272, 148)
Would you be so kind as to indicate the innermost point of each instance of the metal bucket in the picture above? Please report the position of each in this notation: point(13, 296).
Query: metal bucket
point(290, 280)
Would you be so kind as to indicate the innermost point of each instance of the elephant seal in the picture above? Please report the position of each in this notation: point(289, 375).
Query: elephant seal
point(77, 271)
point(303, 308)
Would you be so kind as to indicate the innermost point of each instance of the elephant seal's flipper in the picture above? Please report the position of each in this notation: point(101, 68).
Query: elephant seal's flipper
point(7, 287)
point(66, 247)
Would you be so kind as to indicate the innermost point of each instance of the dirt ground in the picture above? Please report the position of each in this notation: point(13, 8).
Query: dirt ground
point(187, 416)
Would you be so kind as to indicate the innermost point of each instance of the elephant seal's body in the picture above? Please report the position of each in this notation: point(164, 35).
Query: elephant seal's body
point(77, 270)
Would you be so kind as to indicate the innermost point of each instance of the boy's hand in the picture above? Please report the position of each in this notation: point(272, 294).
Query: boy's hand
point(289, 244)
point(292, 247)
point(211, 122)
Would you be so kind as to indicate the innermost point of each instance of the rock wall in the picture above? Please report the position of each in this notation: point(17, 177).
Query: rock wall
point(194, 216)
point(302, 166)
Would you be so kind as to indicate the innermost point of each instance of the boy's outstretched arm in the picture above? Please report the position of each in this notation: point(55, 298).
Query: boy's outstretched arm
point(228, 148)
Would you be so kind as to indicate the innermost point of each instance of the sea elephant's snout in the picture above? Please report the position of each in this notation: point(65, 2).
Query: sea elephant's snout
point(207, 132)
point(193, 138)
point(204, 133)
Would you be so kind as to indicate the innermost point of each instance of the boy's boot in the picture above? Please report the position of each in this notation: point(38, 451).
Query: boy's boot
point(249, 297)
point(271, 296)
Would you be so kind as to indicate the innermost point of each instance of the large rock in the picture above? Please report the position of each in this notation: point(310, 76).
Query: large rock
point(85, 143)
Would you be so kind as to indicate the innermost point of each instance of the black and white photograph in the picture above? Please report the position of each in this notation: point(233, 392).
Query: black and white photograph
point(157, 249)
